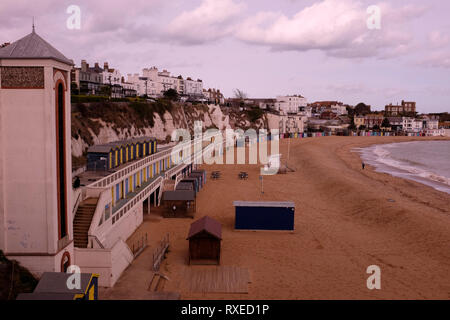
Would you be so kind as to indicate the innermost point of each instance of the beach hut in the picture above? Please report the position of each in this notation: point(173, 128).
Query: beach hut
point(100, 157)
point(199, 177)
point(122, 152)
point(192, 181)
point(264, 215)
point(179, 204)
point(202, 172)
point(205, 236)
point(53, 286)
point(147, 146)
point(185, 186)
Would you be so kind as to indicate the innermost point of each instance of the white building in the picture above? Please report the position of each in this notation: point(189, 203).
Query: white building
point(286, 123)
point(193, 88)
point(36, 196)
point(339, 109)
point(111, 76)
point(155, 83)
point(166, 82)
point(412, 124)
point(430, 122)
point(290, 104)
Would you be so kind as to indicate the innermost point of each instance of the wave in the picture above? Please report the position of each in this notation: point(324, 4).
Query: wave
point(381, 157)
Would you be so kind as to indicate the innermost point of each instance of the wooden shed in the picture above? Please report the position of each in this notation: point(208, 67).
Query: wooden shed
point(192, 181)
point(200, 178)
point(100, 157)
point(202, 172)
point(205, 236)
point(185, 186)
point(179, 204)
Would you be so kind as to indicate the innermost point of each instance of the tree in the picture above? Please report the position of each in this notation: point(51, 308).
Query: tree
point(385, 123)
point(74, 88)
point(352, 125)
point(240, 94)
point(105, 91)
point(362, 108)
point(171, 94)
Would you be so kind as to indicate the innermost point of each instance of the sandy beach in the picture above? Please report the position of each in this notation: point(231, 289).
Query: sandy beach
point(346, 219)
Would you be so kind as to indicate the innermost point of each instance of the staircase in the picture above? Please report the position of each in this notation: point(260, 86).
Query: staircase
point(82, 222)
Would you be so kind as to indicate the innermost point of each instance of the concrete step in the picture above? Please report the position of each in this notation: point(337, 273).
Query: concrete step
point(83, 218)
point(85, 209)
point(81, 229)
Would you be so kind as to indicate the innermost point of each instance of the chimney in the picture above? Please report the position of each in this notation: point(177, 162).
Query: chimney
point(83, 65)
point(105, 66)
point(97, 66)
point(87, 66)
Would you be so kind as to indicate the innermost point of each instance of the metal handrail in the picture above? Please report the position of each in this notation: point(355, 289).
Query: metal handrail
point(77, 203)
point(98, 241)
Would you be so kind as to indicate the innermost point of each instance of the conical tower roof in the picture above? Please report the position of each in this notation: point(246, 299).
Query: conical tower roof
point(32, 46)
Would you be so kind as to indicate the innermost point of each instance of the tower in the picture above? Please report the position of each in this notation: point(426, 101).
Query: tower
point(35, 155)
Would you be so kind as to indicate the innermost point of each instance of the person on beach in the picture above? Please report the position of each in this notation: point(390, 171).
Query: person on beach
point(363, 165)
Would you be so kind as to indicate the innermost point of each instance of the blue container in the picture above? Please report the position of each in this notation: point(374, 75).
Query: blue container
point(264, 215)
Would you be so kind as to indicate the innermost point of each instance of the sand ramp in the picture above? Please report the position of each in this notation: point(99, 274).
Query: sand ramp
point(216, 279)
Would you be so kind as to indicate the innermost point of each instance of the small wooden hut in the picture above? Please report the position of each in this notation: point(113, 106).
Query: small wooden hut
point(205, 236)
point(179, 204)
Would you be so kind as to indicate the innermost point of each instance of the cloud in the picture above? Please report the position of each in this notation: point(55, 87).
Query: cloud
point(336, 27)
point(363, 89)
point(212, 20)
point(438, 39)
point(436, 59)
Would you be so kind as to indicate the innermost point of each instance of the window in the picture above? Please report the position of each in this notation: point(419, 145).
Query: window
point(61, 160)
point(65, 262)
point(107, 212)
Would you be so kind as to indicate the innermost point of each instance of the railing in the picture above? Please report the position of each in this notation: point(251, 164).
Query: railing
point(105, 195)
point(158, 254)
point(131, 169)
point(111, 179)
point(138, 197)
point(104, 198)
point(92, 238)
point(142, 243)
point(77, 202)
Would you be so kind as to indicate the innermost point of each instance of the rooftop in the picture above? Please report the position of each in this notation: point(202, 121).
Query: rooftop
point(32, 46)
point(179, 195)
point(207, 224)
point(106, 147)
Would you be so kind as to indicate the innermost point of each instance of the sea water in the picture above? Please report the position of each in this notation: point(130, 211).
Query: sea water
point(427, 162)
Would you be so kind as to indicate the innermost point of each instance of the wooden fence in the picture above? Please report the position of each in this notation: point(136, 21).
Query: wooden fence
point(158, 254)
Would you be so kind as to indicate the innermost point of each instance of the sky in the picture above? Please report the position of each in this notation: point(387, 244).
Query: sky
point(323, 50)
